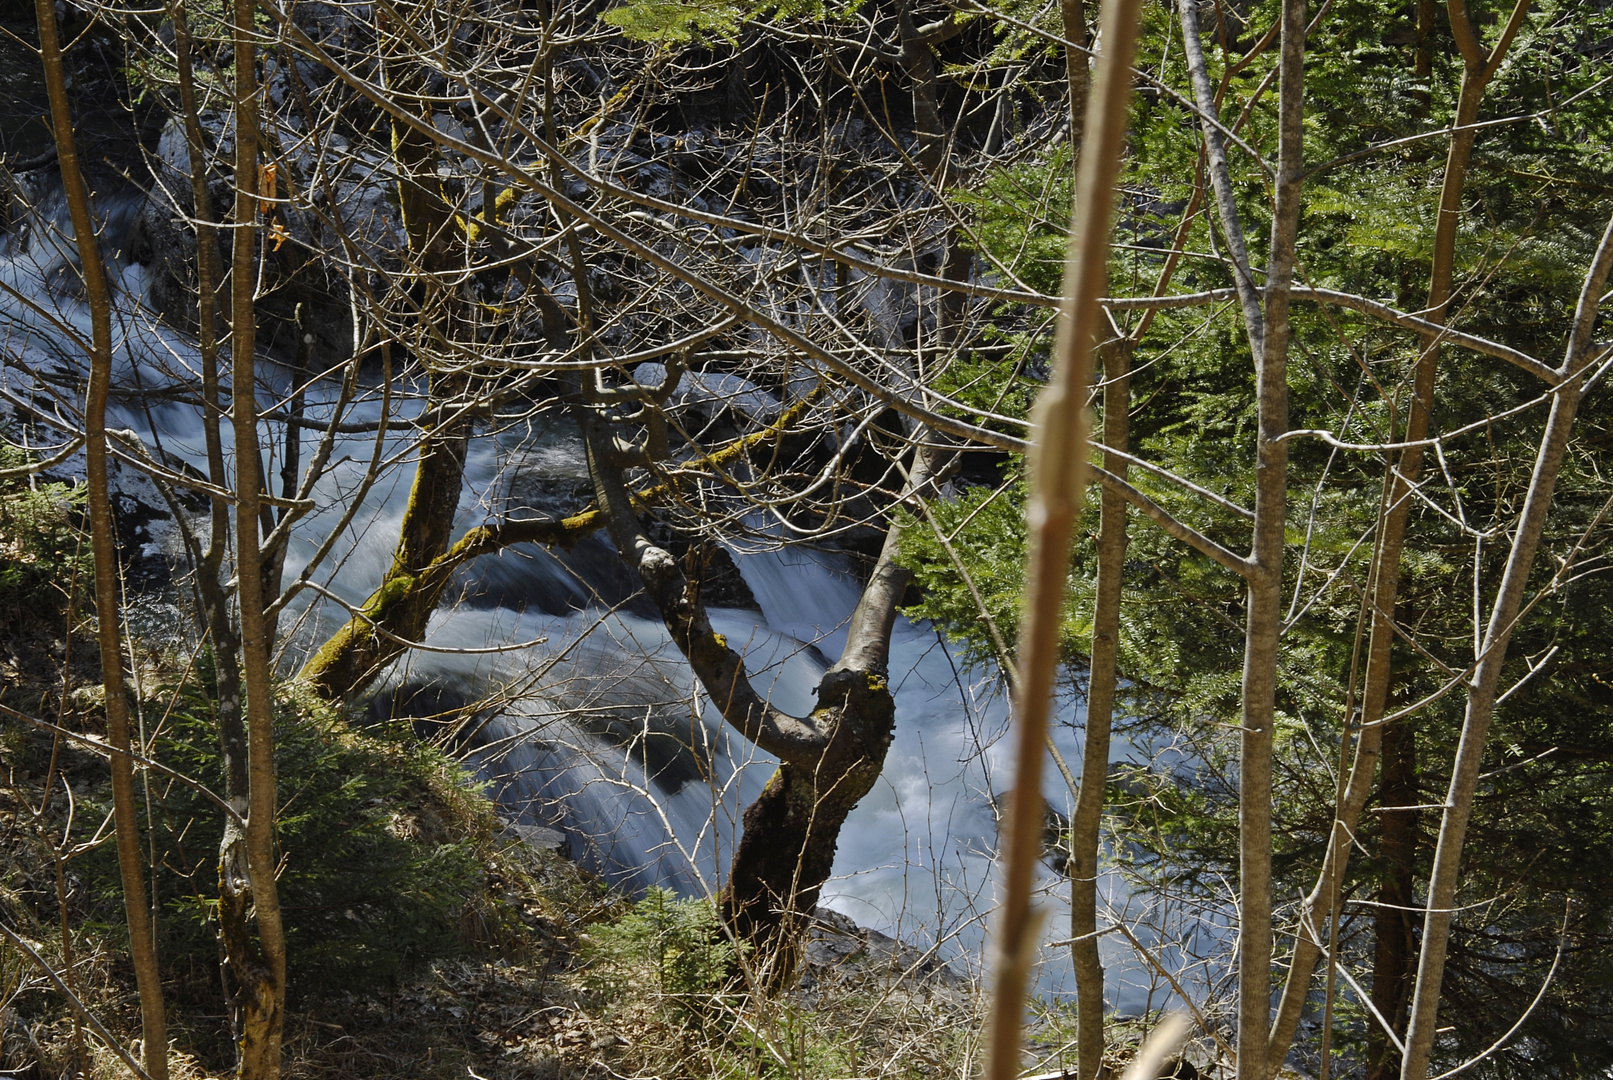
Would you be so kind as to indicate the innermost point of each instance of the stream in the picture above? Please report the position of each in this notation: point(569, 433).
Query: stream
point(598, 729)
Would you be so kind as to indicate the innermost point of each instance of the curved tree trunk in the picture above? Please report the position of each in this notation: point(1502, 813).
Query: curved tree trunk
point(787, 848)
point(131, 868)
point(828, 760)
point(399, 610)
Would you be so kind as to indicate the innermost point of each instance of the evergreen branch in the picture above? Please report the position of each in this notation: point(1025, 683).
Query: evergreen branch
point(1170, 523)
point(1224, 503)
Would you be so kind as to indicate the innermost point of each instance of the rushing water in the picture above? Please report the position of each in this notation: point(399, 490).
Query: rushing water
point(600, 730)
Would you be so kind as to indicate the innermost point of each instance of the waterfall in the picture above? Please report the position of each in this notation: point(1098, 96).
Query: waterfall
point(598, 729)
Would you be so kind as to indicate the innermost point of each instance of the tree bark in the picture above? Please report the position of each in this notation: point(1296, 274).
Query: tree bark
point(1394, 945)
point(247, 873)
point(827, 761)
point(1422, 63)
point(399, 610)
point(1266, 568)
point(1102, 681)
point(929, 134)
point(103, 544)
point(1481, 696)
point(1267, 327)
point(1077, 65)
point(242, 965)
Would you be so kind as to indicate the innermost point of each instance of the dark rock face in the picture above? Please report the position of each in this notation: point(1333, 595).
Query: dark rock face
point(315, 249)
point(306, 290)
point(838, 949)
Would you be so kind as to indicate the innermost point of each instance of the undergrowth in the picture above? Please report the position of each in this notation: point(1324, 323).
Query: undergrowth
point(423, 940)
point(43, 553)
point(382, 844)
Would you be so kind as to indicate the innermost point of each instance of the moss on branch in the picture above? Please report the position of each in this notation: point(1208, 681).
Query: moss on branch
point(395, 615)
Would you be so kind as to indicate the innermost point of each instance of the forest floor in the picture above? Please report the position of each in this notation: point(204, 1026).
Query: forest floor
point(534, 968)
point(559, 990)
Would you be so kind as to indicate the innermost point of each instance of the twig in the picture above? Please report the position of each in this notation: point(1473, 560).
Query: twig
point(78, 1006)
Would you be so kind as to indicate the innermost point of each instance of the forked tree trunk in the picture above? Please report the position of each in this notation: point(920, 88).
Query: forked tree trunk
point(787, 848)
point(1266, 568)
point(828, 760)
point(125, 816)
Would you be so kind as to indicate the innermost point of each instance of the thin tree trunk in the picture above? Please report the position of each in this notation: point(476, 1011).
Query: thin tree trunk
point(215, 600)
point(1104, 675)
point(1267, 328)
point(1422, 63)
point(1478, 69)
point(929, 134)
point(1481, 695)
point(1077, 66)
point(142, 940)
point(1058, 469)
point(260, 967)
point(1266, 569)
point(1102, 681)
point(1394, 945)
point(235, 922)
point(930, 151)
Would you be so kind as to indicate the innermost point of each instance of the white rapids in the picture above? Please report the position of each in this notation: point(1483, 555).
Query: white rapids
point(600, 730)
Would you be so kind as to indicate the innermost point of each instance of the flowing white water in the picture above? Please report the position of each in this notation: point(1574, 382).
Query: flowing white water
point(601, 730)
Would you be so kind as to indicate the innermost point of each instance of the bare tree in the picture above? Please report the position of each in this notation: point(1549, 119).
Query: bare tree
point(1482, 691)
point(1479, 68)
point(142, 933)
point(784, 326)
